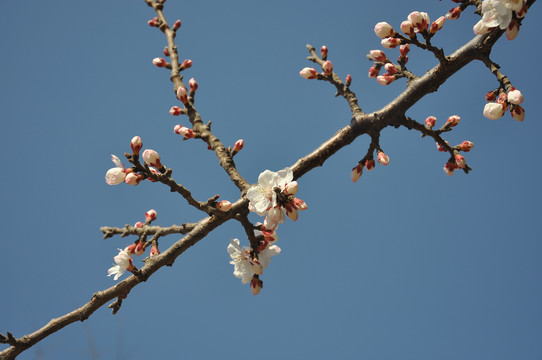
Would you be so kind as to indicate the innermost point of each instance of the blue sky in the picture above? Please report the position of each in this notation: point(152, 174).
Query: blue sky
point(407, 263)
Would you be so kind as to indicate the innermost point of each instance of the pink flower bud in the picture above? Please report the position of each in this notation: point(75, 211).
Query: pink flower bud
point(182, 94)
point(515, 96)
point(408, 28)
point(300, 204)
point(453, 120)
point(420, 20)
point(430, 122)
point(460, 161)
point(518, 113)
point(449, 168)
point(256, 285)
point(480, 28)
point(404, 49)
point(239, 144)
point(150, 215)
point(384, 30)
point(437, 25)
point(152, 22)
point(130, 249)
point(151, 158)
point(377, 55)
point(166, 51)
point(356, 172)
point(373, 71)
point(159, 62)
point(133, 179)
point(140, 248)
point(223, 205)
point(176, 25)
point(521, 13)
point(390, 68)
point(186, 64)
point(138, 224)
point(453, 14)
point(491, 96)
point(390, 43)
point(323, 52)
point(290, 188)
point(193, 85)
point(383, 158)
point(176, 111)
point(369, 164)
point(184, 131)
point(327, 67)
point(466, 146)
point(136, 144)
point(348, 80)
point(512, 30)
point(385, 79)
point(308, 73)
point(154, 251)
point(494, 111)
point(441, 148)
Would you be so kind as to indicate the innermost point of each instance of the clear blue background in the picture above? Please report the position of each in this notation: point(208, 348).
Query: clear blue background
point(408, 263)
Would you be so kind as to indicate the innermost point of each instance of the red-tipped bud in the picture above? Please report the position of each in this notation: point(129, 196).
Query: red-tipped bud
point(356, 172)
point(154, 251)
point(182, 94)
point(408, 28)
point(323, 52)
point(385, 79)
point(176, 111)
point(133, 178)
point(390, 68)
point(514, 96)
point(460, 161)
point(327, 67)
point(300, 204)
point(150, 215)
point(140, 248)
point(377, 55)
point(136, 144)
point(256, 285)
point(223, 205)
point(290, 188)
point(430, 122)
point(449, 168)
point(453, 14)
point(239, 144)
point(390, 43)
point(308, 73)
point(453, 121)
point(184, 131)
point(348, 80)
point(437, 25)
point(441, 147)
point(491, 96)
point(384, 30)
point(152, 158)
point(518, 113)
point(166, 51)
point(466, 146)
point(369, 164)
point(383, 158)
point(153, 22)
point(176, 25)
point(160, 62)
point(373, 71)
point(138, 224)
point(186, 64)
point(512, 30)
point(420, 20)
point(193, 85)
point(404, 49)
point(130, 249)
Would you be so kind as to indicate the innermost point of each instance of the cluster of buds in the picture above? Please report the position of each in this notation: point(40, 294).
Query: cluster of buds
point(498, 105)
point(369, 164)
point(327, 67)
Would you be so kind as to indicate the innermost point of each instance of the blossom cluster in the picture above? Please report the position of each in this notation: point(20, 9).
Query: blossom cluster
point(502, 14)
point(123, 260)
point(498, 105)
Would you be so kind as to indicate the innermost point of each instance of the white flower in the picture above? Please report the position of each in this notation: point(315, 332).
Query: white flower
point(493, 111)
point(116, 175)
point(265, 255)
point(262, 197)
point(497, 13)
point(123, 261)
point(245, 267)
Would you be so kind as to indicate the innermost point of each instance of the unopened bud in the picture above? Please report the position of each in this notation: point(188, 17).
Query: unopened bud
point(154, 251)
point(348, 80)
point(308, 73)
point(384, 30)
point(518, 113)
point(133, 178)
point(153, 22)
point(408, 28)
point(150, 215)
point(138, 224)
point(356, 172)
point(256, 285)
point(449, 168)
point(152, 158)
point(453, 121)
point(290, 188)
point(491, 96)
point(193, 85)
point(239, 144)
point(430, 122)
point(466, 146)
point(404, 49)
point(390, 68)
point(385, 79)
point(136, 144)
point(186, 64)
point(453, 14)
point(140, 248)
point(166, 51)
point(383, 158)
point(390, 43)
point(159, 62)
point(441, 147)
point(369, 164)
point(377, 55)
point(300, 204)
point(437, 25)
point(176, 25)
point(323, 52)
point(420, 20)
point(327, 67)
point(373, 71)
point(223, 205)
point(515, 96)
point(130, 249)
point(460, 161)
point(182, 94)
point(176, 111)
point(494, 111)
point(184, 131)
